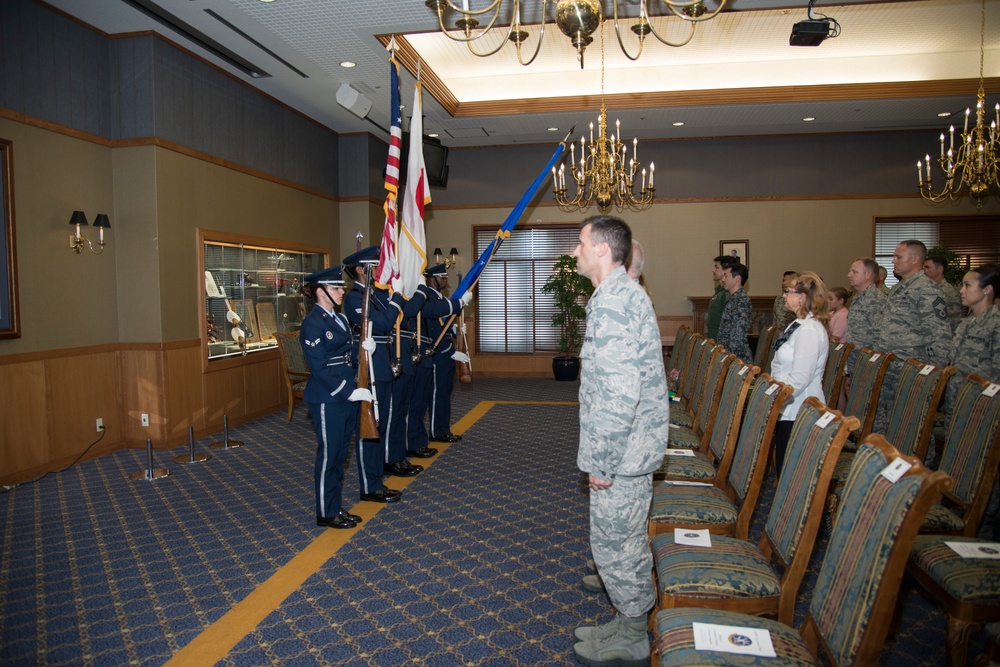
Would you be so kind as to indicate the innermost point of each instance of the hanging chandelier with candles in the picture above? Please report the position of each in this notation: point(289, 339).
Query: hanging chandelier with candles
point(577, 19)
point(606, 174)
point(972, 165)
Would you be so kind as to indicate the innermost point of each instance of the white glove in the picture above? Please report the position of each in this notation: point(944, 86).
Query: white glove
point(463, 329)
point(360, 395)
point(460, 356)
point(397, 285)
point(466, 299)
point(368, 345)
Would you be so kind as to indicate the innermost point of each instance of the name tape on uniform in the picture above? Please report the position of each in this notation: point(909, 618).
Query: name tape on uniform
point(896, 469)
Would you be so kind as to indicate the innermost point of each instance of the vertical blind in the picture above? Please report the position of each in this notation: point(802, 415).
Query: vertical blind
point(513, 315)
point(975, 239)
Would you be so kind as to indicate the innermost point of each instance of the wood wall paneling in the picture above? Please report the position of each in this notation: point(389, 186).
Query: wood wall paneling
point(224, 396)
point(24, 426)
point(142, 392)
point(184, 391)
point(82, 388)
point(262, 388)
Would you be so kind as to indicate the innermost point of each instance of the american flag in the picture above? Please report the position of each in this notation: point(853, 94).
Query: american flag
point(388, 267)
point(412, 240)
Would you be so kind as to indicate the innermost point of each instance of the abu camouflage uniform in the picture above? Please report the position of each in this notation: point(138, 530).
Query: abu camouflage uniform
point(953, 303)
point(915, 325)
point(864, 319)
point(737, 318)
point(624, 426)
point(976, 349)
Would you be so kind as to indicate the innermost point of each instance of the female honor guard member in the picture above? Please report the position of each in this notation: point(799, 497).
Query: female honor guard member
point(331, 392)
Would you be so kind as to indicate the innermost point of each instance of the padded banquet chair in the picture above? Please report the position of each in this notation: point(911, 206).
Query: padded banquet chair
point(697, 433)
point(762, 355)
point(697, 505)
point(681, 349)
point(866, 383)
point(689, 380)
point(736, 575)
point(706, 385)
point(851, 606)
point(293, 367)
point(833, 374)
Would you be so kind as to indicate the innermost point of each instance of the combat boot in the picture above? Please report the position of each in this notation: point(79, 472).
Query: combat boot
point(592, 583)
point(590, 633)
point(629, 647)
point(591, 566)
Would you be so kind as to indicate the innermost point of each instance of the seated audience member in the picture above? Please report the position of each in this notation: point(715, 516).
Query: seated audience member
point(800, 353)
point(737, 315)
point(781, 316)
point(934, 267)
point(837, 301)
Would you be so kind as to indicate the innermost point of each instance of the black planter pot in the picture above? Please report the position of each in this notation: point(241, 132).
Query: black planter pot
point(566, 369)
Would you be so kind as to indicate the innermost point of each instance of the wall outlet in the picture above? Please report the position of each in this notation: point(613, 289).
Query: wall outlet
point(100, 424)
point(145, 419)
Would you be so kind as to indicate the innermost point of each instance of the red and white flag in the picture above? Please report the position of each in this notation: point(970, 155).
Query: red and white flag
point(388, 266)
point(412, 248)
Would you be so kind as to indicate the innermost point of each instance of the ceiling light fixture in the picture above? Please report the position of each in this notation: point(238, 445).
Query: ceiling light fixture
point(605, 174)
point(577, 19)
point(809, 119)
point(347, 64)
point(678, 124)
point(973, 165)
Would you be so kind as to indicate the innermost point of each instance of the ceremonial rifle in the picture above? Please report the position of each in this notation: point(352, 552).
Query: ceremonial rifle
point(369, 409)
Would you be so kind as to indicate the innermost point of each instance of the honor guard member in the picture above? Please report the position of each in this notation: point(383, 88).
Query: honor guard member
point(437, 311)
point(331, 392)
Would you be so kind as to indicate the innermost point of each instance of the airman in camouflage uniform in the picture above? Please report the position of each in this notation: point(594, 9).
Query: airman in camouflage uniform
point(737, 316)
point(976, 347)
point(868, 306)
point(915, 323)
point(624, 426)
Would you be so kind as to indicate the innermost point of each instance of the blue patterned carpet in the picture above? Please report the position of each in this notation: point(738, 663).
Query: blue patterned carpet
point(479, 565)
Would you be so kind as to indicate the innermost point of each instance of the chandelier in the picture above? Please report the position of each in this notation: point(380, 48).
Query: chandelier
point(973, 164)
point(605, 174)
point(577, 19)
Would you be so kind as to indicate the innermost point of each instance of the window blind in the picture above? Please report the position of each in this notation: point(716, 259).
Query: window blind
point(975, 239)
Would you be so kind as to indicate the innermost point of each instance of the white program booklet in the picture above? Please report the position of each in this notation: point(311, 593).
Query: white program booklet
point(692, 538)
point(733, 639)
point(976, 549)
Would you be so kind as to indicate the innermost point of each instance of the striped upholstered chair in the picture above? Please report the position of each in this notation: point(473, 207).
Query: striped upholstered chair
point(833, 373)
point(705, 389)
point(911, 418)
point(689, 377)
point(971, 456)
point(866, 383)
point(293, 367)
point(681, 349)
point(851, 607)
point(762, 355)
point(707, 404)
point(726, 512)
point(711, 464)
point(736, 575)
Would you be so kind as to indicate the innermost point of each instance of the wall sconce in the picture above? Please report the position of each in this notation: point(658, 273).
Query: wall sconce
point(447, 261)
point(77, 241)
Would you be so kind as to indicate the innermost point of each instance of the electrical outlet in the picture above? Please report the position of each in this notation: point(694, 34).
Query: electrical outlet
point(100, 424)
point(145, 419)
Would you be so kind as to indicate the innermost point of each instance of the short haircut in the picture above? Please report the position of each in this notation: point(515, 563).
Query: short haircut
point(881, 270)
point(938, 260)
point(636, 258)
point(794, 274)
point(840, 292)
point(871, 266)
point(989, 276)
point(613, 231)
point(740, 270)
point(917, 247)
point(725, 261)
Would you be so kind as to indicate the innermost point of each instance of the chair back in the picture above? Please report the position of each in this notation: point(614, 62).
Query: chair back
point(833, 374)
point(708, 404)
point(866, 383)
point(726, 420)
point(681, 349)
point(293, 360)
point(746, 475)
point(702, 381)
point(911, 417)
point(972, 448)
point(797, 509)
point(761, 358)
point(689, 378)
point(852, 602)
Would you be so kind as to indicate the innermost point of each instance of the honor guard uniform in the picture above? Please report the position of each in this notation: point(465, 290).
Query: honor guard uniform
point(331, 393)
point(437, 310)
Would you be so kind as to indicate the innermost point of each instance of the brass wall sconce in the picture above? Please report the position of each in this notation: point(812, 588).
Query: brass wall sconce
point(77, 241)
point(448, 262)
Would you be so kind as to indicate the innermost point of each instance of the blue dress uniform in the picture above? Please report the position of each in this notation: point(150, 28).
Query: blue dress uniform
point(437, 310)
point(329, 348)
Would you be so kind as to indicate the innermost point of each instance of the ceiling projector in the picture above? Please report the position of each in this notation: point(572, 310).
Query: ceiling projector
point(809, 33)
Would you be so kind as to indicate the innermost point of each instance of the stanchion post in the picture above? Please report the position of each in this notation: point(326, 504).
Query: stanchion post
point(150, 473)
point(226, 443)
point(191, 456)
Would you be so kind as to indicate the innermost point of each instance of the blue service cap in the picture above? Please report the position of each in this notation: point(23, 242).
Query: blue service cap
point(367, 256)
point(437, 271)
point(332, 276)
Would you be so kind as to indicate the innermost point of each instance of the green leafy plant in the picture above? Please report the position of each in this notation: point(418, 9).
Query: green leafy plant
point(570, 291)
point(954, 271)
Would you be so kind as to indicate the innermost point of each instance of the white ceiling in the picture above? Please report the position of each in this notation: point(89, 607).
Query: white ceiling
point(895, 66)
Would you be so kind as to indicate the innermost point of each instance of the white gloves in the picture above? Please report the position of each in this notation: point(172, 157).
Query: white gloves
point(460, 356)
point(397, 285)
point(466, 298)
point(360, 395)
point(463, 329)
point(368, 345)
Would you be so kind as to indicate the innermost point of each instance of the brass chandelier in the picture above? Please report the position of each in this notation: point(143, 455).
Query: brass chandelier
point(577, 19)
point(605, 174)
point(973, 164)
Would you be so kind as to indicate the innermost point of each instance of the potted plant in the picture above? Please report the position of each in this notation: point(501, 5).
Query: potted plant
point(570, 291)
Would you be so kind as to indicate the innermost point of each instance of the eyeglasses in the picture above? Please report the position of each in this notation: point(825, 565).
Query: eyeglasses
point(789, 291)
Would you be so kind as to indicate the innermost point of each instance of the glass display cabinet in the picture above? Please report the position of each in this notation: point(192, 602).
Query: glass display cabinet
point(252, 290)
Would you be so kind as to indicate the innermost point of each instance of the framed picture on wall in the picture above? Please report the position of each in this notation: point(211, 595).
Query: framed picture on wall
point(10, 321)
point(739, 249)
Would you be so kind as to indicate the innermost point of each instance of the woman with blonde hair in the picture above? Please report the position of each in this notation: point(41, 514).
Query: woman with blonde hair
point(800, 352)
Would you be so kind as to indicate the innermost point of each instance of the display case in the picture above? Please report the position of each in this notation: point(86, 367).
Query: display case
point(252, 290)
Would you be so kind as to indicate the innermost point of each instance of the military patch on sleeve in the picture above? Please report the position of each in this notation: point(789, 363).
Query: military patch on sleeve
point(329, 335)
point(940, 308)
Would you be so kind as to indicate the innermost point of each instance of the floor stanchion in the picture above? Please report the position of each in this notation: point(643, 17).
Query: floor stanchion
point(150, 473)
point(191, 456)
point(226, 443)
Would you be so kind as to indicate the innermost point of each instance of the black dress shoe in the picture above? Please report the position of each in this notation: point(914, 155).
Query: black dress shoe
point(424, 453)
point(403, 469)
point(354, 518)
point(392, 493)
point(383, 495)
point(335, 521)
point(447, 437)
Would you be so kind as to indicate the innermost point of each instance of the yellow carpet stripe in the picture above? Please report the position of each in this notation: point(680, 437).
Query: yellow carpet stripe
point(218, 639)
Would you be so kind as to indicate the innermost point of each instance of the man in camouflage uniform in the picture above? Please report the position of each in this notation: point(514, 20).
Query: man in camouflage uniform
point(624, 425)
point(934, 267)
point(864, 319)
point(737, 315)
point(713, 315)
point(915, 322)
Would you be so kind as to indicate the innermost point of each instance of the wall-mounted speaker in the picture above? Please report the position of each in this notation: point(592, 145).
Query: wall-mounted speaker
point(353, 101)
